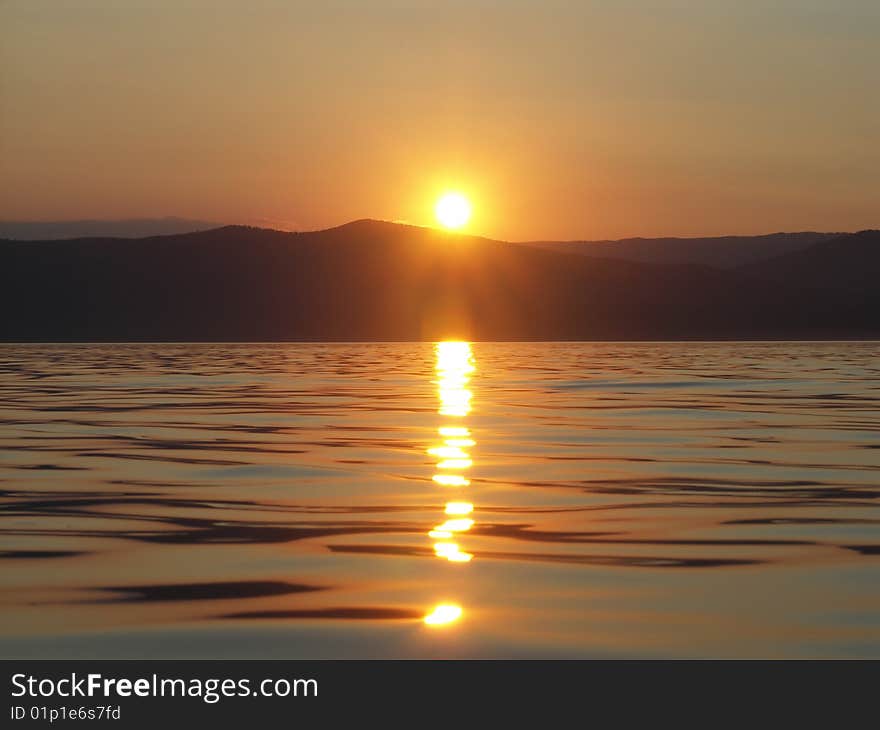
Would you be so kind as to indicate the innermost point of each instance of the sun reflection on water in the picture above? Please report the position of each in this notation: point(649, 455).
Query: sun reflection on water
point(454, 365)
point(459, 508)
point(443, 613)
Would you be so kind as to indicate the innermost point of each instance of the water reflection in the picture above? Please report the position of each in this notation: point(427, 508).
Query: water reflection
point(454, 366)
point(635, 500)
point(443, 613)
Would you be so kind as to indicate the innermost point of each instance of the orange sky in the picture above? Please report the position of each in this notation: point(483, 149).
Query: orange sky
point(560, 120)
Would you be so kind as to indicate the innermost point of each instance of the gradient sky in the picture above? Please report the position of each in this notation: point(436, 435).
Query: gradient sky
point(593, 119)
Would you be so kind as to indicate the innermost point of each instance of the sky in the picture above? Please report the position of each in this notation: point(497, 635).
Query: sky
point(559, 120)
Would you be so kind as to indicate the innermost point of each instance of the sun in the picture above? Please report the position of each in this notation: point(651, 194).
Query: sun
point(453, 210)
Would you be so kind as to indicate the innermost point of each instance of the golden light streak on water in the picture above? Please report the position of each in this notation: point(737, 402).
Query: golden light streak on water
point(454, 366)
point(451, 552)
point(455, 464)
point(459, 525)
point(443, 613)
point(451, 480)
point(449, 431)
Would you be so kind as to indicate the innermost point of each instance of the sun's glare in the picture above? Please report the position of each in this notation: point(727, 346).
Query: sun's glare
point(453, 210)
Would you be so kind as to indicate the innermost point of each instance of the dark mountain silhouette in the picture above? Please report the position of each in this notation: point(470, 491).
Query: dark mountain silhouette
point(372, 280)
point(851, 262)
point(725, 252)
point(129, 228)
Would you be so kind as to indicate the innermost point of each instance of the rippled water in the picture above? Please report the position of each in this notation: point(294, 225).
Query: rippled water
point(409, 500)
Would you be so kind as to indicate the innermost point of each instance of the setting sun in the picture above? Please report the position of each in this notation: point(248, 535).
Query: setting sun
point(453, 210)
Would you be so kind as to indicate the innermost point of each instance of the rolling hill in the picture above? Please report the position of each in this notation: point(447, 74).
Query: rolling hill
point(725, 252)
point(849, 262)
point(372, 280)
point(127, 228)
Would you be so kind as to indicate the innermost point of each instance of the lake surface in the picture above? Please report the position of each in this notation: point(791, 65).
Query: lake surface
point(454, 500)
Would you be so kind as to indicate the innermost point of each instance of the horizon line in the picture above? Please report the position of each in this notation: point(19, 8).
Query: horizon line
point(215, 226)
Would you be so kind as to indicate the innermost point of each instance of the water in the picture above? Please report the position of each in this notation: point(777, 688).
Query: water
point(590, 500)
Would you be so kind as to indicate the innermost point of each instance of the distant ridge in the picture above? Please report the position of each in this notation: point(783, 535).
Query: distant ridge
point(725, 252)
point(127, 228)
point(849, 262)
point(373, 280)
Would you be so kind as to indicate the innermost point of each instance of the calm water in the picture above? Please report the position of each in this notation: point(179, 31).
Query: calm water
point(411, 500)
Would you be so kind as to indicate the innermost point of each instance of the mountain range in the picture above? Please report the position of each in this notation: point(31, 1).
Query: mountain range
point(726, 252)
point(374, 280)
point(124, 228)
